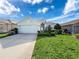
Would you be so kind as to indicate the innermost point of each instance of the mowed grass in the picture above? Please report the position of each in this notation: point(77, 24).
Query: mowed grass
point(3, 35)
point(59, 47)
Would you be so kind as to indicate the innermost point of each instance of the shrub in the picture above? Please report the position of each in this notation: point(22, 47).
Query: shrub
point(77, 36)
point(42, 33)
point(16, 30)
point(58, 31)
point(46, 33)
point(53, 34)
point(66, 31)
point(13, 31)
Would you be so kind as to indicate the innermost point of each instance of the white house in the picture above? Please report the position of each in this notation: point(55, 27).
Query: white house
point(31, 26)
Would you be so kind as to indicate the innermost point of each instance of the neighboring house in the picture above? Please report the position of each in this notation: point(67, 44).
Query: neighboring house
point(72, 26)
point(31, 26)
point(6, 26)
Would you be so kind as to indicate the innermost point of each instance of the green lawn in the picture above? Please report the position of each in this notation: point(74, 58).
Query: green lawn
point(3, 35)
point(59, 47)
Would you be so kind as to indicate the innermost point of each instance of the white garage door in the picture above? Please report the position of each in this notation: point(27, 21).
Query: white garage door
point(28, 29)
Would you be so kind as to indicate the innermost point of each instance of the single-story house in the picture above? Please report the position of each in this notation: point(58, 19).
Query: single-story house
point(7, 25)
point(72, 26)
point(31, 26)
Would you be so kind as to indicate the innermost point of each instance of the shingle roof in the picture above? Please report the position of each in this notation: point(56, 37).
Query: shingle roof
point(71, 22)
point(6, 21)
point(34, 22)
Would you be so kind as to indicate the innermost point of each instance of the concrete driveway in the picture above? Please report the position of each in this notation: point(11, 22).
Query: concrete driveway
point(18, 46)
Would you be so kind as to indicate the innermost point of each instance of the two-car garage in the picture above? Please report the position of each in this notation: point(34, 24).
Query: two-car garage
point(29, 26)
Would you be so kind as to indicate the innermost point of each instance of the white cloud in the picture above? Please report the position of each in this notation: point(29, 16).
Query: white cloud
point(52, 7)
point(7, 8)
point(43, 10)
point(48, 1)
point(71, 5)
point(59, 17)
point(39, 10)
point(37, 1)
point(32, 1)
point(65, 18)
point(69, 12)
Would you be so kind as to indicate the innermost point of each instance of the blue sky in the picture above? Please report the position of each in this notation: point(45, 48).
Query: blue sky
point(52, 10)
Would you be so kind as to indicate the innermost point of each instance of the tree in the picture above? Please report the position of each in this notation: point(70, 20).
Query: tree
point(57, 28)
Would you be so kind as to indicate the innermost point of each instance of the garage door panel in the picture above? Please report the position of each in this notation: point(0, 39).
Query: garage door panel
point(28, 29)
